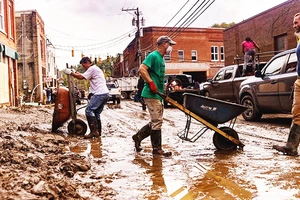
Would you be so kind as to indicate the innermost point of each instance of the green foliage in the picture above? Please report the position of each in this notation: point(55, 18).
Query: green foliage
point(223, 25)
point(107, 66)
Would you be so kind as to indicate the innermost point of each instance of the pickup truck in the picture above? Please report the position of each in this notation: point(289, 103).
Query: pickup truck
point(114, 92)
point(225, 84)
point(271, 88)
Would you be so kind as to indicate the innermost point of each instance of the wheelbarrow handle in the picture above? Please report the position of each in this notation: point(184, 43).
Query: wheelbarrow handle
point(162, 95)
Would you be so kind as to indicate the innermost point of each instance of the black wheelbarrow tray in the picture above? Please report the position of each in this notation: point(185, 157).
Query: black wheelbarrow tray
point(210, 112)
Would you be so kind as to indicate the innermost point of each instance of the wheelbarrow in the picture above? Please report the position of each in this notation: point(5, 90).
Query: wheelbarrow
point(210, 112)
point(65, 108)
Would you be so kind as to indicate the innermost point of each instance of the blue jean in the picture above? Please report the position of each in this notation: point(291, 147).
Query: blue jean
point(96, 105)
point(250, 52)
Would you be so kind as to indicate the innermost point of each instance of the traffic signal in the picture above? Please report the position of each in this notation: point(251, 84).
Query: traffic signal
point(72, 52)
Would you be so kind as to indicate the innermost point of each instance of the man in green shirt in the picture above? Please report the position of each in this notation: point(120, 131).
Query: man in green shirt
point(152, 71)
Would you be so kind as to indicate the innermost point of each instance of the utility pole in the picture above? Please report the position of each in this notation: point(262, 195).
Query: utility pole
point(136, 22)
point(24, 84)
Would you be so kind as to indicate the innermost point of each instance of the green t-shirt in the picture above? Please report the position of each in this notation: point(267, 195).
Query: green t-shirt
point(156, 64)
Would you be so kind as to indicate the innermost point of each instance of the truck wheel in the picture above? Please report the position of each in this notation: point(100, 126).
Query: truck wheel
point(252, 113)
point(222, 143)
point(80, 127)
point(124, 95)
point(131, 95)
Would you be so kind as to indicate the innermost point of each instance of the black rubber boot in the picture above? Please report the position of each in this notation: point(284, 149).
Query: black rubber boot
point(144, 132)
point(292, 144)
point(92, 121)
point(156, 144)
point(99, 127)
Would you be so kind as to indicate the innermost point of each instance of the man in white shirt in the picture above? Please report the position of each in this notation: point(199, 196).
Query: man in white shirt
point(99, 98)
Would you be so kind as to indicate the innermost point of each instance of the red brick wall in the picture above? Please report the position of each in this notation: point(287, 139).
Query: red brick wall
point(199, 39)
point(262, 28)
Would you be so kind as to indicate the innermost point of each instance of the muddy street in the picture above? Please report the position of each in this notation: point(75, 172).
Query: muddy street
point(37, 164)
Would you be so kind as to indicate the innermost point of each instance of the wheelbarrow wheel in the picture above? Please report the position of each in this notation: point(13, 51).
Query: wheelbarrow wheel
point(222, 143)
point(80, 127)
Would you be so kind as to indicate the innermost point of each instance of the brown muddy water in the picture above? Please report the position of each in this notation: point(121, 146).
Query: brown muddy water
point(195, 170)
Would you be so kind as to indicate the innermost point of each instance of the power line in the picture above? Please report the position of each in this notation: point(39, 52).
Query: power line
point(101, 43)
point(190, 21)
point(151, 46)
point(187, 22)
point(184, 16)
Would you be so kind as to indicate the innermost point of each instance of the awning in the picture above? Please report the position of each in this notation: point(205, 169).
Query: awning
point(17, 56)
point(11, 53)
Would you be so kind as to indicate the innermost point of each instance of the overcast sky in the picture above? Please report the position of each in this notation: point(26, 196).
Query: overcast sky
point(101, 28)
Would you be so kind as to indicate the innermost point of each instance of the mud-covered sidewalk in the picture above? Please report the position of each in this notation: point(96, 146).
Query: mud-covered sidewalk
point(35, 163)
point(38, 164)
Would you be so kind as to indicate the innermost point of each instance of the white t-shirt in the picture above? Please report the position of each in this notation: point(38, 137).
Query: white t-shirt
point(97, 80)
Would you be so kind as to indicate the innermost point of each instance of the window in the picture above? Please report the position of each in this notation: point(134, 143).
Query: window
point(180, 56)
point(11, 21)
point(222, 53)
point(42, 49)
point(228, 74)
point(194, 55)
point(214, 53)
point(280, 42)
point(292, 64)
point(2, 15)
point(275, 66)
point(168, 57)
point(219, 76)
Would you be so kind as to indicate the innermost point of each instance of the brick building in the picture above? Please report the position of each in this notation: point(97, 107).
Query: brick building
point(31, 45)
point(8, 55)
point(198, 52)
point(272, 30)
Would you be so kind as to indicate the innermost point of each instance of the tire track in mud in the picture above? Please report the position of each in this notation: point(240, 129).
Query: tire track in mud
point(257, 136)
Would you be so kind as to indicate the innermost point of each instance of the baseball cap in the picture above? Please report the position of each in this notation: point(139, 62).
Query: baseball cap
point(85, 60)
point(163, 39)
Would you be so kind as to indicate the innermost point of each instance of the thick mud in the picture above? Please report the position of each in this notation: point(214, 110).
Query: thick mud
point(38, 164)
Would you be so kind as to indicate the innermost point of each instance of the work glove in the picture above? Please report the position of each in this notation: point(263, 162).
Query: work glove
point(69, 71)
point(153, 87)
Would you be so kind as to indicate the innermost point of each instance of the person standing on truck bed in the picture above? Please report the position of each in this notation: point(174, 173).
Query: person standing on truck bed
point(248, 49)
point(291, 147)
point(99, 97)
point(152, 71)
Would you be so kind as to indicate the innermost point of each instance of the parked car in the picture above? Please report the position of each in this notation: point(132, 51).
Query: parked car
point(271, 88)
point(114, 92)
point(226, 83)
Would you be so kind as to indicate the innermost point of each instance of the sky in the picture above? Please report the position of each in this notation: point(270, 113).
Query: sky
point(99, 28)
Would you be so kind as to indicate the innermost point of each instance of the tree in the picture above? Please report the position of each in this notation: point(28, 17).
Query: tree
point(223, 25)
point(107, 65)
